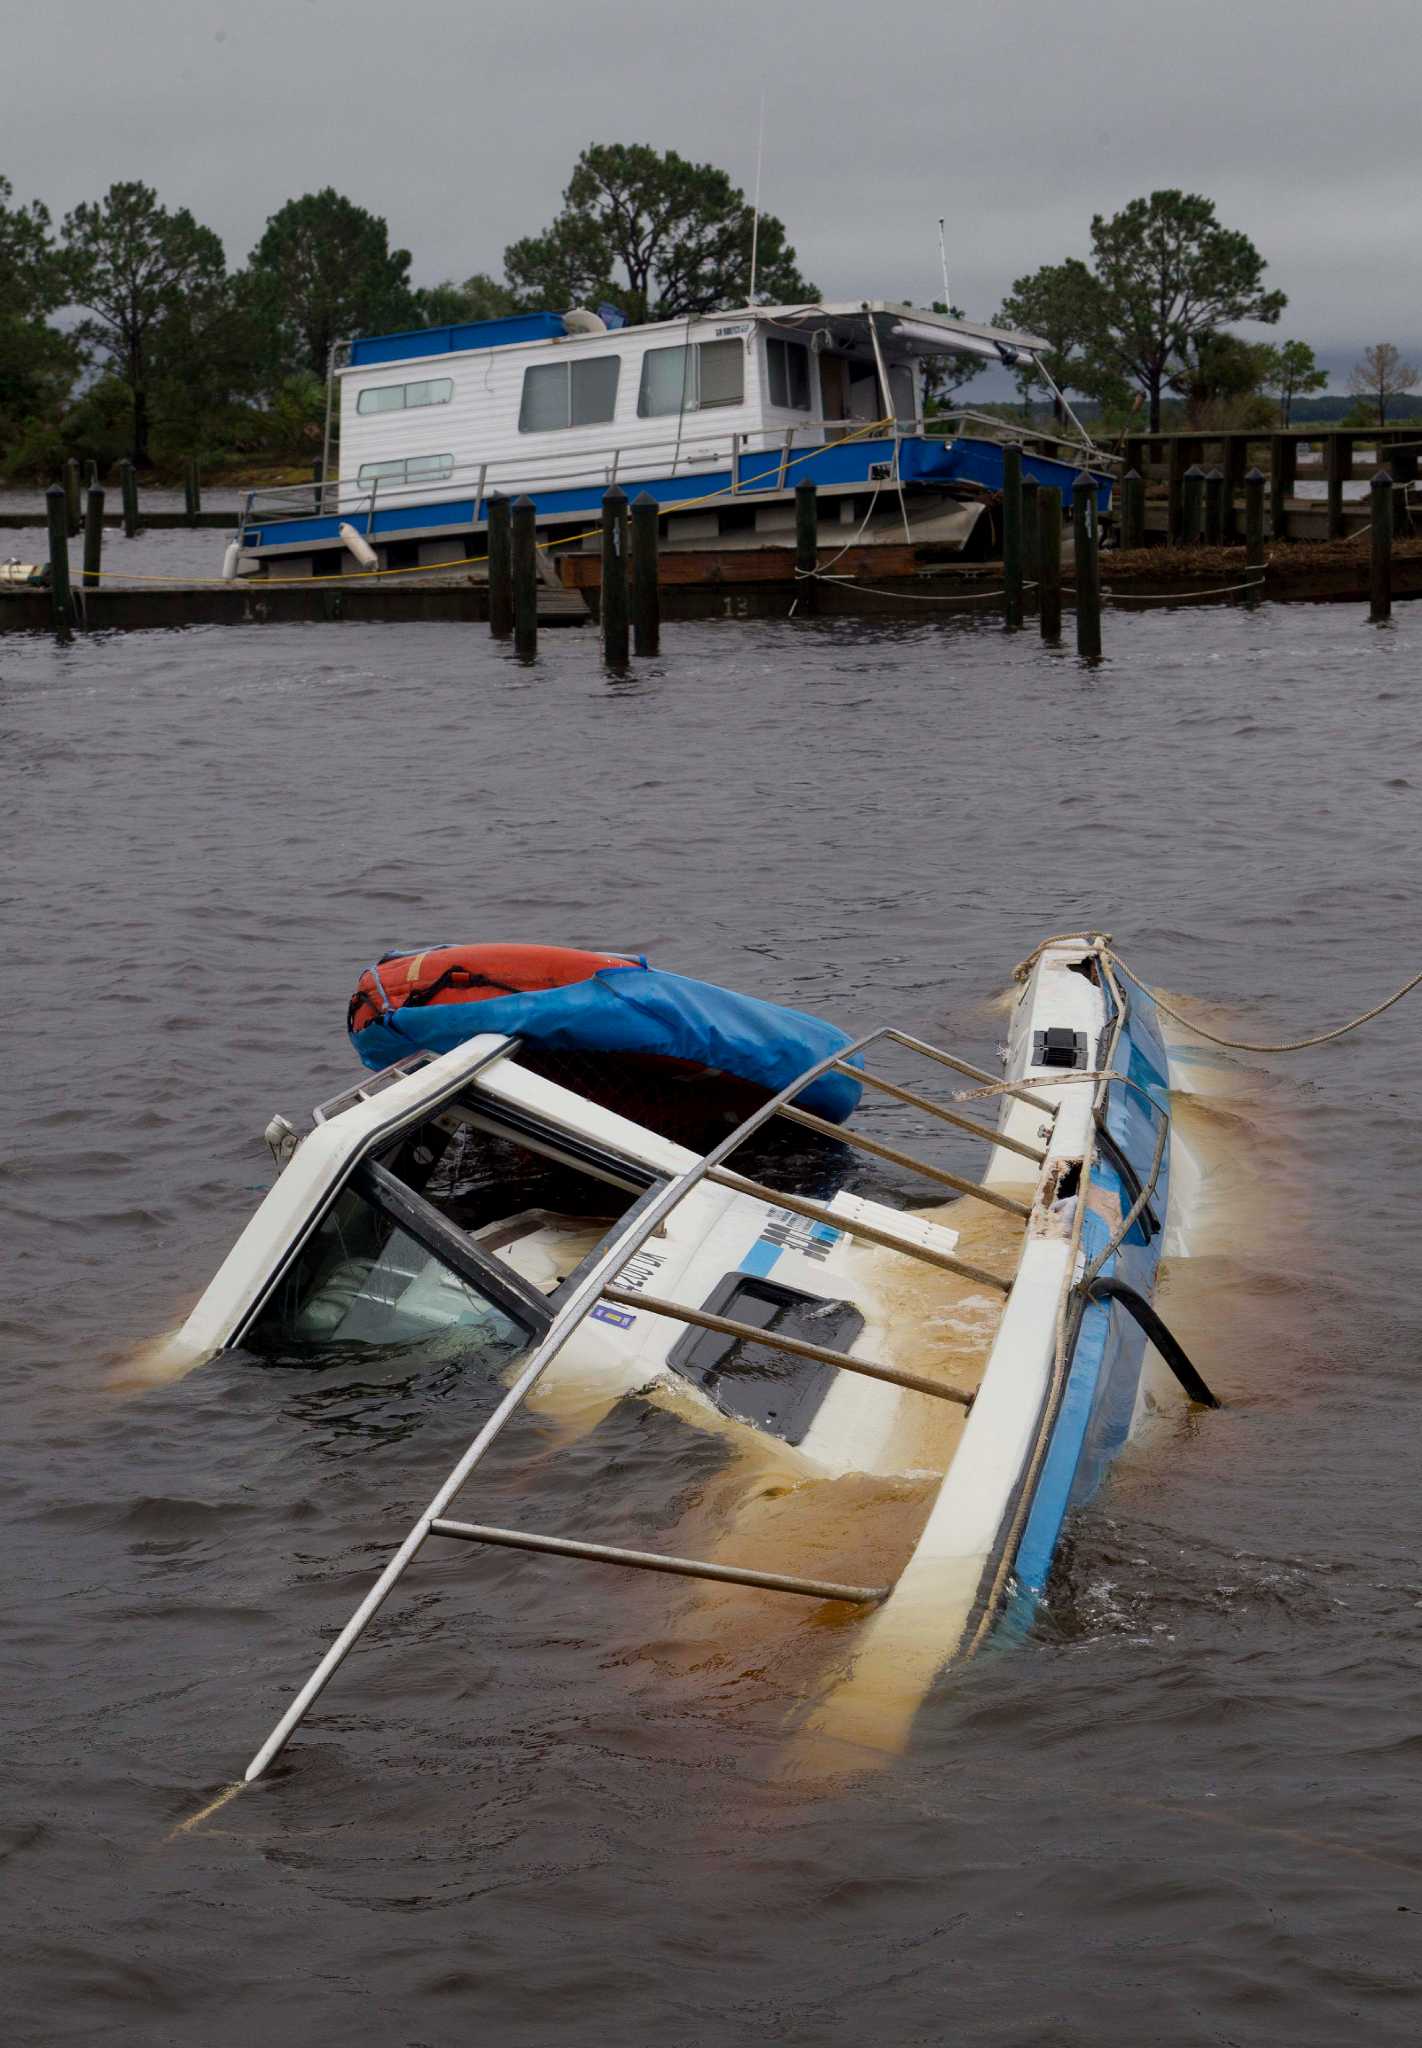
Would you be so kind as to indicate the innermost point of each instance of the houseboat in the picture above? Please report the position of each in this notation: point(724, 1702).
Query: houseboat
point(718, 416)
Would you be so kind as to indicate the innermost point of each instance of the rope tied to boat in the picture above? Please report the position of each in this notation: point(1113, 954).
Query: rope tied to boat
point(1284, 1045)
point(1100, 944)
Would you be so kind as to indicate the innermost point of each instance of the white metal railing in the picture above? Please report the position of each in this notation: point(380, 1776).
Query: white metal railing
point(959, 419)
point(629, 463)
point(599, 1283)
point(614, 462)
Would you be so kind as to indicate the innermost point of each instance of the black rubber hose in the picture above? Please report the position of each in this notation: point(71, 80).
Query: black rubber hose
point(1136, 1305)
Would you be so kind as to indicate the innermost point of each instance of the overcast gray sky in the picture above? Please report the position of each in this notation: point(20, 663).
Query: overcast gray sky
point(460, 120)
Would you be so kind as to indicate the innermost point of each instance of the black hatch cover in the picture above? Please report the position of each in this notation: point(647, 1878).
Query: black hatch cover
point(773, 1390)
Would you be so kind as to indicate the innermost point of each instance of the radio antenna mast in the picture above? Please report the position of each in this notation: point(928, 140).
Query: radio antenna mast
point(943, 260)
point(755, 222)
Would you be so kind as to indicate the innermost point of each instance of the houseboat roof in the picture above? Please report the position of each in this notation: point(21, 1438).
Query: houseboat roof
point(920, 332)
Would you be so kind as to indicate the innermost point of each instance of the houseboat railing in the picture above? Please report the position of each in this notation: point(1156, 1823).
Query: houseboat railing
point(962, 419)
point(599, 1283)
point(630, 463)
point(624, 461)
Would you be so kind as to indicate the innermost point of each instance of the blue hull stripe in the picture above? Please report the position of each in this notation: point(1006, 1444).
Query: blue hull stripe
point(1094, 1418)
point(758, 474)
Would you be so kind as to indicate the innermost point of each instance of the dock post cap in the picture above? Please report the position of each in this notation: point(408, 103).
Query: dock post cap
point(614, 495)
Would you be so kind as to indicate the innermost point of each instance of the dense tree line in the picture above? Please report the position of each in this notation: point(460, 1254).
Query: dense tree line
point(124, 332)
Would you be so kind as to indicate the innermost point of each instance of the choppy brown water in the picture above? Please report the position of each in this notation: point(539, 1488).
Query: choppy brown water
point(542, 1805)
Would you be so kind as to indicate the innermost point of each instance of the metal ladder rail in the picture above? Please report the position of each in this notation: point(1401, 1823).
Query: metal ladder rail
point(949, 1059)
point(578, 1306)
point(658, 1561)
point(820, 1212)
point(987, 1132)
point(776, 1340)
point(897, 1158)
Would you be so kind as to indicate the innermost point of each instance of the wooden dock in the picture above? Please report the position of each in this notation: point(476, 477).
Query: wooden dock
point(1183, 532)
point(738, 583)
point(165, 521)
point(114, 608)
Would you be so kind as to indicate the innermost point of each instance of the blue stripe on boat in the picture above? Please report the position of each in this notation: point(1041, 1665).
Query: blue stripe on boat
point(1094, 1418)
point(758, 472)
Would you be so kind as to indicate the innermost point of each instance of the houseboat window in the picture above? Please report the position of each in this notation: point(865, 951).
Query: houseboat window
point(789, 366)
point(903, 390)
point(674, 380)
point(403, 397)
point(722, 366)
point(579, 393)
point(413, 469)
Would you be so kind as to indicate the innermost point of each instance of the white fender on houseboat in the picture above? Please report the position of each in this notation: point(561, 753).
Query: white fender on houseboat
point(355, 544)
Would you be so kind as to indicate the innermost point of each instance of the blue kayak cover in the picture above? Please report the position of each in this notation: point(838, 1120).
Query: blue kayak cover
point(636, 1009)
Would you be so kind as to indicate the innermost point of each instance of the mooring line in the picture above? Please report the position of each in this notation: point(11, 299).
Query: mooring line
point(1100, 943)
point(195, 1820)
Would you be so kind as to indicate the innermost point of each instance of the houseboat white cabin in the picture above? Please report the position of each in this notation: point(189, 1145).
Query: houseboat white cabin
point(718, 416)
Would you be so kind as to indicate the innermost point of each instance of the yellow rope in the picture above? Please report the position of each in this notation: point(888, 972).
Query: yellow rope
point(567, 540)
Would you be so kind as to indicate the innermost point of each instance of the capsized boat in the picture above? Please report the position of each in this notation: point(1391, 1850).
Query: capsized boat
point(463, 1205)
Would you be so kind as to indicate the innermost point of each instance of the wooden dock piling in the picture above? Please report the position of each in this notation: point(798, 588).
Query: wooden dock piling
point(1192, 506)
point(1012, 536)
point(1132, 509)
point(1380, 594)
point(524, 561)
point(1283, 476)
point(61, 600)
point(1175, 492)
point(1214, 508)
point(128, 489)
point(616, 646)
point(71, 495)
point(807, 545)
point(1088, 574)
point(1340, 467)
point(646, 591)
point(192, 491)
point(1031, 535)
point(93, 536)
point(1234, 461)
point(500, 546)
point(1254, 519)
point(1049, 576)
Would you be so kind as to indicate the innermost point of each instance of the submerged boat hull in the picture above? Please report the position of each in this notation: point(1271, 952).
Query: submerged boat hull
point(1059, 1391)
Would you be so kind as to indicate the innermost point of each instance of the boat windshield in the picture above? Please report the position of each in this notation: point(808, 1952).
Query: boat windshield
point(361, 1280)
